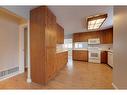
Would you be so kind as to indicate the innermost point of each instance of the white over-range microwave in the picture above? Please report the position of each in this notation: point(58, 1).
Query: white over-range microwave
point(94, 41)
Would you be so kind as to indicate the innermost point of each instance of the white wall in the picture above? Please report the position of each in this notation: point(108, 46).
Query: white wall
point(120, 47)
point(68, 36)
point(8, 44)
point(22, 11)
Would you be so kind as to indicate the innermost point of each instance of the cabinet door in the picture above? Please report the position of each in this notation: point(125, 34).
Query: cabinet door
point(60, 34)
point(83, 55)
point(83, 37)
point(106, 36)
point(76, 37)
point(80, 55)
point(109, 36)
point(104, 57)
point(50, 29)
point(74, 55)
point(51, 62)
point(102, 37)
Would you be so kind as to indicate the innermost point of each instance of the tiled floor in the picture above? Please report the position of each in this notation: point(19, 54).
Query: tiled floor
point(76, 75)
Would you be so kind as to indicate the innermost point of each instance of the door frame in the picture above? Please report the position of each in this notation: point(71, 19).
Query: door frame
point(21, 50)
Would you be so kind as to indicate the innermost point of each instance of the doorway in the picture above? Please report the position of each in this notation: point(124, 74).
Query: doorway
point(68, 45)
point(25, 49)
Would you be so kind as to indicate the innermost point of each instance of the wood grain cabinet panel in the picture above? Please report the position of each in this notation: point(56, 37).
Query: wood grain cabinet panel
point(104, 57)
point(62, 59)
point(106, 36)
point(60, 34)
point(109, 34)
point(51, 63)
point(50, 29)
point(76, 37)
point(42, 44)
point(81, 55)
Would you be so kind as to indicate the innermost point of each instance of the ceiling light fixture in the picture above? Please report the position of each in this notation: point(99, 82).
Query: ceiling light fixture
point(95, 22)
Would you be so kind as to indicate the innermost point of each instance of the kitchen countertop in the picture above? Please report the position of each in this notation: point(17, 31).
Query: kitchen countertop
point(107, 50)
point(100, 50)
point(80, 49)
point(60, 51)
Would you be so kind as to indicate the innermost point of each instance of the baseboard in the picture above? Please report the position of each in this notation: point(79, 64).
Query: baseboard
point(9, 76)
point(114, 86)
point(29, 80)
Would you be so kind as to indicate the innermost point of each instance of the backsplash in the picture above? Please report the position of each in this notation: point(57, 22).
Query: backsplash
point(106, 46)
point(60, 47)
point(103, 46)
point(80, 45)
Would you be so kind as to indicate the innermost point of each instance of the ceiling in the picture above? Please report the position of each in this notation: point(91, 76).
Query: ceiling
point(71, 18)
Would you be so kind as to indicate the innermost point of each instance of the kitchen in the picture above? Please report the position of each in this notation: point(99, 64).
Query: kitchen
point(58, 53)
point(92, 47)
point(95, 46)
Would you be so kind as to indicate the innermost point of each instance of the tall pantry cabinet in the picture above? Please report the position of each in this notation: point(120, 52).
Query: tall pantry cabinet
point(42, 44)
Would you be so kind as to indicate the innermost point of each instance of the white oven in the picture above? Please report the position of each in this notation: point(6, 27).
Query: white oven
point(94, 55)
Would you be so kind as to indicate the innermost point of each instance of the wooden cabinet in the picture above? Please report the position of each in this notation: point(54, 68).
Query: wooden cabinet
point(50, 28)
point(76, 37)
point(109, 35)
point(83, 37)
point(42, 44)
point(50, 66)
point(81, 55)
point(106, 36)
point(104, 57)
point(60, 34)
point(62, 59)
point(80, 37)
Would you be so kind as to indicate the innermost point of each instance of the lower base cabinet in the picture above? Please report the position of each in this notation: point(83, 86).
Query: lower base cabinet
point(62, 59)
point(104, 57)
point(80, 55)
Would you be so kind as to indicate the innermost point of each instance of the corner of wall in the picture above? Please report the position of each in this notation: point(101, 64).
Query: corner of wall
point(114, 86)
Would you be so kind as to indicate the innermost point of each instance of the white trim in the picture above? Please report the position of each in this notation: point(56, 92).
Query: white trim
point(9, 76)
point(29, 80)
point(28, 51)
point(114, 86)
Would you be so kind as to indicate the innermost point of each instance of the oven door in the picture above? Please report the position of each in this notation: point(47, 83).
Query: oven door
point(94, 56)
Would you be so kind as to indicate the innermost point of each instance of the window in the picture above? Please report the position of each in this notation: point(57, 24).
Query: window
point(78, 45)
point(68, 45)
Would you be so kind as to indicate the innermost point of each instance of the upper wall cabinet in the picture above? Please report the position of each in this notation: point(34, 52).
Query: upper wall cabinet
point(50, 22)
point(60, 34)
point(106, 36)
point(83, 37)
